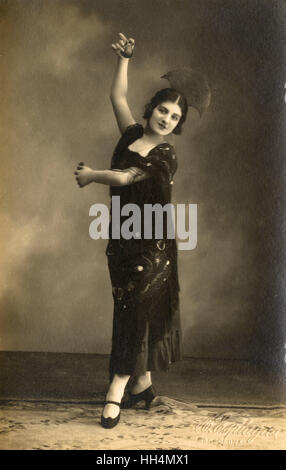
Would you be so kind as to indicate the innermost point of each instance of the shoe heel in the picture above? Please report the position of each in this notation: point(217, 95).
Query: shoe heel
point(149, 397)
point(146, 396)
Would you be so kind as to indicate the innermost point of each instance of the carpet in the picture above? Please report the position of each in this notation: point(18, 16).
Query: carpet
point(169, 424)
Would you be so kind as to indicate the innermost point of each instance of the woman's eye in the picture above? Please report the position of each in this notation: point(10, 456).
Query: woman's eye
point(162, 110)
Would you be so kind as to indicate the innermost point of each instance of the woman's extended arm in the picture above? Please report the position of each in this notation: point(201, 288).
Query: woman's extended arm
point(118, 95)
point(85, 175)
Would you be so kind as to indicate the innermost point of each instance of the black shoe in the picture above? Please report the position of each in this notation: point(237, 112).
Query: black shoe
point(109, 423)
point(147, 395)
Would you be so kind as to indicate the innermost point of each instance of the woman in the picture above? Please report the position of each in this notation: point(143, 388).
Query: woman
point(146, 323)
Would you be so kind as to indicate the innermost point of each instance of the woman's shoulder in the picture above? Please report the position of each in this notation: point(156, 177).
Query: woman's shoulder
point(164, 152)
point(136, 125)
point(132, 132)
point(162, 161)
point(166, 148)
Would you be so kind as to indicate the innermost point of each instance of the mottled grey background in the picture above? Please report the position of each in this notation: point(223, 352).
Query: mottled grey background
point(57, 67)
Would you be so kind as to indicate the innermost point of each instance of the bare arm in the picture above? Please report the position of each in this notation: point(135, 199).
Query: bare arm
point(119, 87)
point(85, 175)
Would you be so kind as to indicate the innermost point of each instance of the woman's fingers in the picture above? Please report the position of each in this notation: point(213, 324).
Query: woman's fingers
point(119, 46)
point(115, 48)
point(124, 47)
point(123, 37)
point(77, 180)
point(79, 167)
point(124, 40)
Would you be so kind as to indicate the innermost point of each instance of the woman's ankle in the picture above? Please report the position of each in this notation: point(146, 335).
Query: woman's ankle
point(140, 385)
point(115, 394)
point(116, 388)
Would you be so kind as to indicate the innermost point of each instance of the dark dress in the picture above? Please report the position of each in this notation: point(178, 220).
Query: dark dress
point(146, 319)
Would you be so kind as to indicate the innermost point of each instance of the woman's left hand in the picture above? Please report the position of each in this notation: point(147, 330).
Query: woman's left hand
point(124, 47)
point(84, 175)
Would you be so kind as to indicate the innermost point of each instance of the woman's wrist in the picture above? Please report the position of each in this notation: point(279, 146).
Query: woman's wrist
point(98, 176)
point(123, 59)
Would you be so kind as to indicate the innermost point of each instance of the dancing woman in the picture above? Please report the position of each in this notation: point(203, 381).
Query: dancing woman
point(146, 319)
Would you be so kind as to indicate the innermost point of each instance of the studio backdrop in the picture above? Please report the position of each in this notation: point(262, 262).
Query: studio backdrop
point(56, 68)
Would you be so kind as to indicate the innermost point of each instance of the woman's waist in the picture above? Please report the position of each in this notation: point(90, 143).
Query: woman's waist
point(141, 226)
point(124, 247)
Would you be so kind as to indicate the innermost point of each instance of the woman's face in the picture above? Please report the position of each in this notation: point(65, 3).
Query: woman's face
point(165, 118)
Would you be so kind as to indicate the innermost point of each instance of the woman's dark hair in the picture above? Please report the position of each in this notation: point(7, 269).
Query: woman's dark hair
point(168, 94)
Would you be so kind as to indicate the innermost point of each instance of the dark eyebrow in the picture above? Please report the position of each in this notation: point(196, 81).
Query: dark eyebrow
point(174, 114)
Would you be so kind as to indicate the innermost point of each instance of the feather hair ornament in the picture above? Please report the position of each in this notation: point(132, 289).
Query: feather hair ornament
point(193, 85)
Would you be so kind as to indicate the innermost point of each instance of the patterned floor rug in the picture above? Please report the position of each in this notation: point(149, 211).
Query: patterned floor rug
point(169, 424)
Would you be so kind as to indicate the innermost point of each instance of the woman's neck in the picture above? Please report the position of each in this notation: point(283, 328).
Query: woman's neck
point(151, 137)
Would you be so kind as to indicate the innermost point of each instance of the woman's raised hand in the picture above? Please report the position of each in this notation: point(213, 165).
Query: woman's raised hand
point(124, 47)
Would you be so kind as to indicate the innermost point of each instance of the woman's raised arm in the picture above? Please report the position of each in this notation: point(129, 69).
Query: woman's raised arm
point(123, 49)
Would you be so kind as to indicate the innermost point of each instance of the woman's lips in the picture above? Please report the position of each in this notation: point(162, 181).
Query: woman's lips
point(161, 126)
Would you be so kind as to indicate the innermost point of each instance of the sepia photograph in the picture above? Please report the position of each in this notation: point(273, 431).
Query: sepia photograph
point(143, 235)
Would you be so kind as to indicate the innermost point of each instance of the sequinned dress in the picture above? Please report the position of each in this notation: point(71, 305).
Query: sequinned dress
point(146, 319)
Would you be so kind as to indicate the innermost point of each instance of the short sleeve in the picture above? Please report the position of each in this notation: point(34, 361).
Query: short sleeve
point(132, 133)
